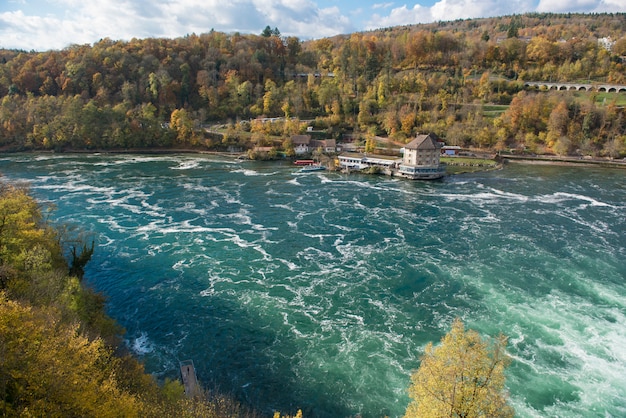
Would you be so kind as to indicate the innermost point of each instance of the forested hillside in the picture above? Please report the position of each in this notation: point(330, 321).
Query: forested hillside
point(463, 80)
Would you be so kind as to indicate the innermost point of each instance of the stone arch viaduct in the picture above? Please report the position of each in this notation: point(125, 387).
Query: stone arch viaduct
point(610, 88)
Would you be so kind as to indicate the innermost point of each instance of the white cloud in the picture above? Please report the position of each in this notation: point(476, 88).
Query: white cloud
point(401, 16)
point(47, 24)
point(30, 32)
point(381, 5)
point(327, 22)
point(451, 10)
point(80, 21)
point(460, 9)
point(598, 6)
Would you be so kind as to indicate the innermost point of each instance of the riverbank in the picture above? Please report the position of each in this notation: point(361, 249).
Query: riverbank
point(562, 160)
point(479, 156)
point(158, 151)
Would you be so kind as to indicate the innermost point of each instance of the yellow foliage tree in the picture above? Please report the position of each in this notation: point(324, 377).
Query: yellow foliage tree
point(462, 377)
point(50, 369)
point(298, 415)
point(182, 122)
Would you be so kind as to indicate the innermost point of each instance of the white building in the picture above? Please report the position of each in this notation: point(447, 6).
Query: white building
point(422, 158)
point(606, 43)
point(301, 144)
point(355, 161)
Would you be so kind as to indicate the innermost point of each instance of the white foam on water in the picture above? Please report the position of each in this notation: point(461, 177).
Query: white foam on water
point(134, 159)
point(283, 206)
point(343, 228)
point(186, 227)
point(493, 195)
point(361, 184)
point(242, 217)
point(560, 197)
point(214, 193)
point(511, 196)
point(252, 173)
point(265, 230)
point(187, 165)
point(142, 344)
point(484, 198)
point(217, 279)
point(242, 243)
point(597, 227)
point(45, 179)
point(155, 249)
point(190, 207)
point(72, 187)
point(180, 265)
point(112, 224)
point(199, 188)
point(105, 241)
point(44, 157)
point(598, 348)
point(320, 237)
point(586, 339)
point(290, 264)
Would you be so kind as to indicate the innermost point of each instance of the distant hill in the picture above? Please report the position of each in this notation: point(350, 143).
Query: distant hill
point(463, 80)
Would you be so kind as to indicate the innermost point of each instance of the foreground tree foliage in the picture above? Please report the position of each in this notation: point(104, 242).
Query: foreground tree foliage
point(59, 352)
point(462, 377)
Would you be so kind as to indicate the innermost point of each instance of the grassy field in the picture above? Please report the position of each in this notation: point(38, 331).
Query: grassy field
point(493, 110)
point(458, 165)
point(469, 162)
point(608, 98)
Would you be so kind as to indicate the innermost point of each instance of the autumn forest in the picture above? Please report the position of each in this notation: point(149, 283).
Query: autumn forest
point(463, 80)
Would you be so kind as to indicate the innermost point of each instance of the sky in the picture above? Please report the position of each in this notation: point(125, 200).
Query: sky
point(42, 25)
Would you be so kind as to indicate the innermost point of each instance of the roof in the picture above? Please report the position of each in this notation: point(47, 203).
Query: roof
point(370, 157)
point(424, 142)
point(330, 143)
point(301, 139)
point(324, 143)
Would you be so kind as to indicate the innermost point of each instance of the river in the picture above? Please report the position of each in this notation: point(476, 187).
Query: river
point(319, 291)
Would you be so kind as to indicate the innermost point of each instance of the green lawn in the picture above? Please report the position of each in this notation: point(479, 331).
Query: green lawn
point(459, 165)
point(493, 110)
point(608, 98)
point(467, 161)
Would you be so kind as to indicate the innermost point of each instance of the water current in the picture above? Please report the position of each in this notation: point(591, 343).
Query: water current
point(319, 291)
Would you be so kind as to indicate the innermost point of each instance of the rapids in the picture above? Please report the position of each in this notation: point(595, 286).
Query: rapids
point(319, 291)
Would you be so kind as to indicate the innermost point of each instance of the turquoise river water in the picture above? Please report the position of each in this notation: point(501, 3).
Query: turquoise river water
point(319, 291)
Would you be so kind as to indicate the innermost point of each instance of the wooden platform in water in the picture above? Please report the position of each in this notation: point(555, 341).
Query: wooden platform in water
point(190, 381)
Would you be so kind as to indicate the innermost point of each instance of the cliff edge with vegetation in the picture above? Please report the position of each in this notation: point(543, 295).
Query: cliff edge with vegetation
point(60, 354)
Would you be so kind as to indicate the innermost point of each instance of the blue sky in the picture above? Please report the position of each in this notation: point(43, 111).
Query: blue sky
point(54, 24)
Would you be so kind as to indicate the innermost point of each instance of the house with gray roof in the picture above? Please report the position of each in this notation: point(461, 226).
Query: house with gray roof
point(421, 158)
